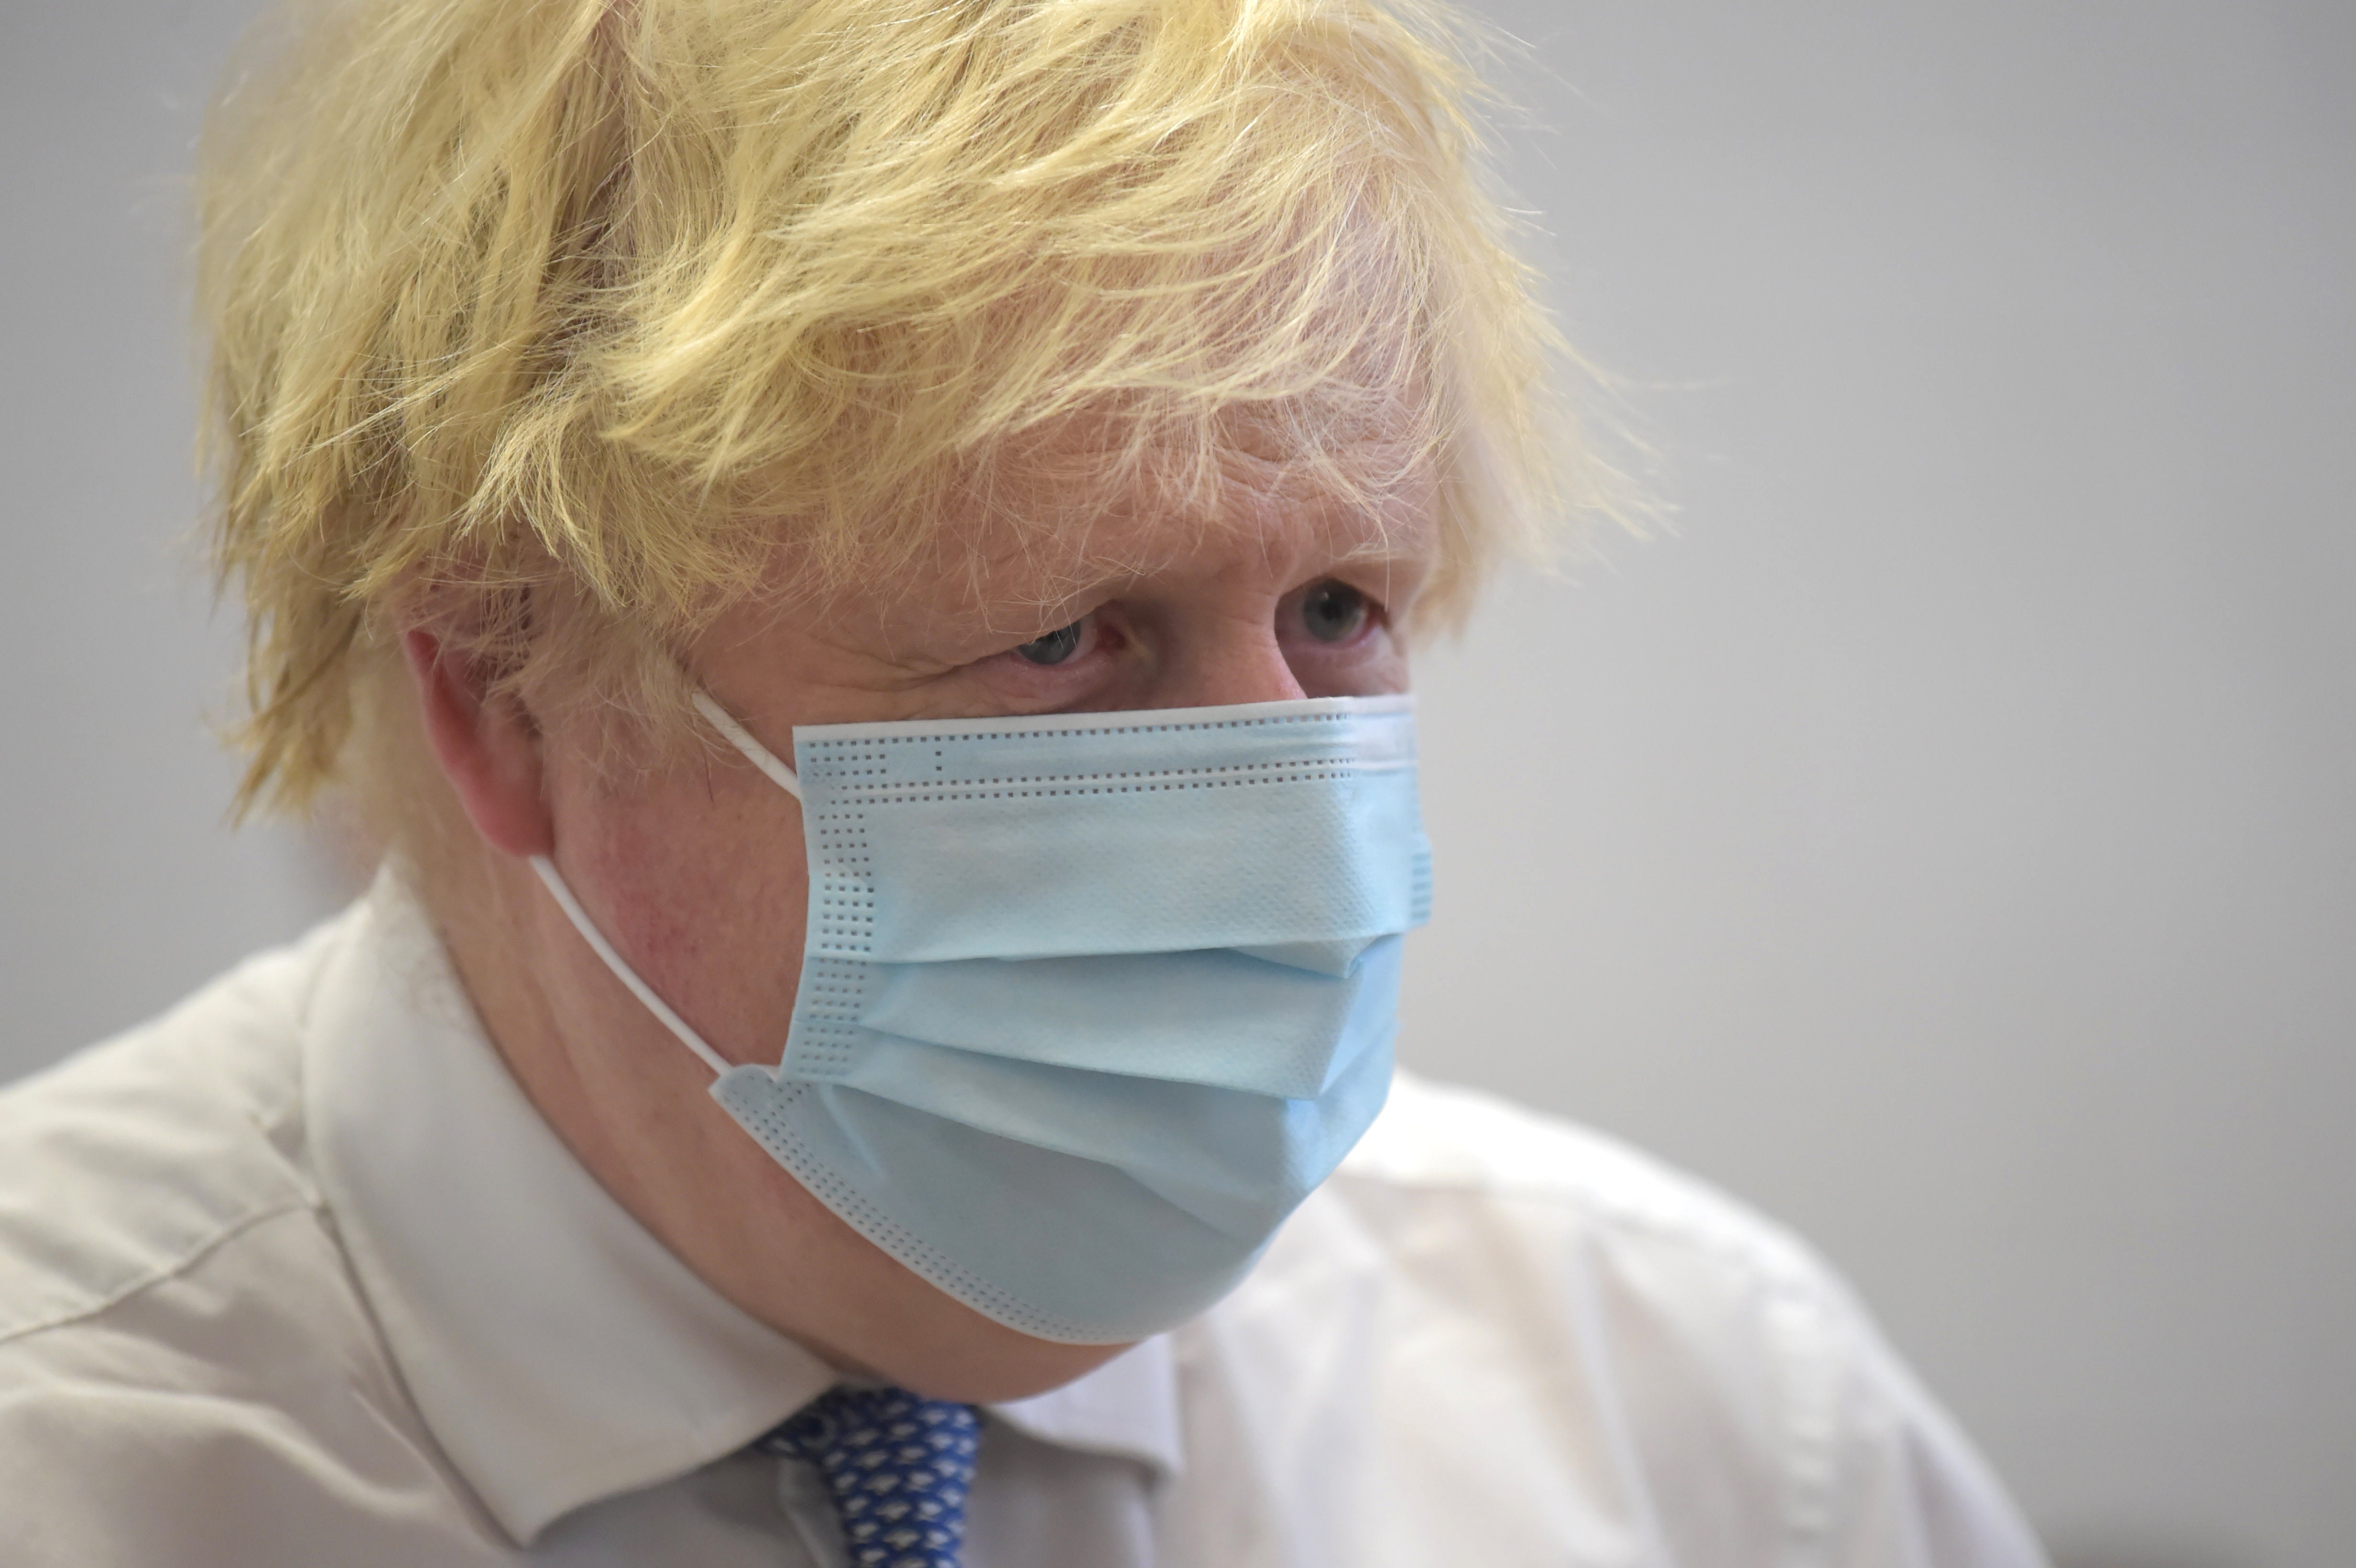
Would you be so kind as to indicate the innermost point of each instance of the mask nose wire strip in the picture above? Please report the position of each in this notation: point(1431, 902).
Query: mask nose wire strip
point(621, 971)
point(758, 754)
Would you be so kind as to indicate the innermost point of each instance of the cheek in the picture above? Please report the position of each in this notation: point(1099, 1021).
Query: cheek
point(1373, 664)
point(705, 889)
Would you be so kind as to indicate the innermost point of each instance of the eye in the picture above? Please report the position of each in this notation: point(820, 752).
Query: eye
point(1334, 612)
point(1055, 646)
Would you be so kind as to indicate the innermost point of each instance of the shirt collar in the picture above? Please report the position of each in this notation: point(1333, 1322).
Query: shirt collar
point(557, 1350)
point(1129, 1406)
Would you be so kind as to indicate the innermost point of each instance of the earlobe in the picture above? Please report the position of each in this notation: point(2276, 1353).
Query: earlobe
point(486, 742)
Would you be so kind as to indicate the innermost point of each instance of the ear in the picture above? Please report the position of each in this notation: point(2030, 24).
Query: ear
point(488, 747)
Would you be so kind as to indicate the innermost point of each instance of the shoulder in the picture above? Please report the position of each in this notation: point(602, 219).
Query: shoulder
point(1533, 1311)
point(1552, 1247)
point(1516, 1187)
point(132, 1158)
point(177, 1322)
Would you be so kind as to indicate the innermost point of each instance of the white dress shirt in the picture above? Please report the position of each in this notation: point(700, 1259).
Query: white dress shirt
point(296, 1275)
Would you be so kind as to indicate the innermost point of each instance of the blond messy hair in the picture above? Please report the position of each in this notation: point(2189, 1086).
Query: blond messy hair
point(613, 298)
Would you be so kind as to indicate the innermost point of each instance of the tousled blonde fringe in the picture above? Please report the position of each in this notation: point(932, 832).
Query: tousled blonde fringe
point(602, 300)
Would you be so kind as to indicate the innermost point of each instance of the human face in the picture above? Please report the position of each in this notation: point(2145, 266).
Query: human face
point(695, 870)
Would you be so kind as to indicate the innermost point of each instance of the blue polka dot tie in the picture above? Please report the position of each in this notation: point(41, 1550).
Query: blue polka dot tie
point(898, 1467)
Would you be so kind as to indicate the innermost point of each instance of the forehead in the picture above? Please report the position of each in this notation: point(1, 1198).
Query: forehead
point(1022, 549)
point(1051, 527)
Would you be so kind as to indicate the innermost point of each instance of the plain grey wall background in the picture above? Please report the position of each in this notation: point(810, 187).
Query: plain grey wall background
point(1942, 837)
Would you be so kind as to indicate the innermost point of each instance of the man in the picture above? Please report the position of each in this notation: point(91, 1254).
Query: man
point(861, 558)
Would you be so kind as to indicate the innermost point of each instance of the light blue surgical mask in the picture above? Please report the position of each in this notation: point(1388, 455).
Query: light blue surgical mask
point(1089, 1003)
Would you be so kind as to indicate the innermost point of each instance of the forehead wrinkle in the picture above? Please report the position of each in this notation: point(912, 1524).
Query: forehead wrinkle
point(1102, 555)
point(1026, 534)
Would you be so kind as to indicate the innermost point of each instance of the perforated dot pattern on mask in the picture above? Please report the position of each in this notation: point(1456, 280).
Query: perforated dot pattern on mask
point(1018, 787)
point(834, 998)
point(890, 769)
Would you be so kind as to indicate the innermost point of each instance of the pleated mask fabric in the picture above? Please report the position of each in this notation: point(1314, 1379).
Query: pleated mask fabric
point(1089, 1003)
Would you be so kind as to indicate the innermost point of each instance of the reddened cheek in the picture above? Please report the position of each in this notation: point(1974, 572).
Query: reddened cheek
point(698, 875)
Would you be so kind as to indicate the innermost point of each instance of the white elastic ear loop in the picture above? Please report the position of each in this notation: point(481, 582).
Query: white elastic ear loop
point(621, 971)
point(758, 754)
